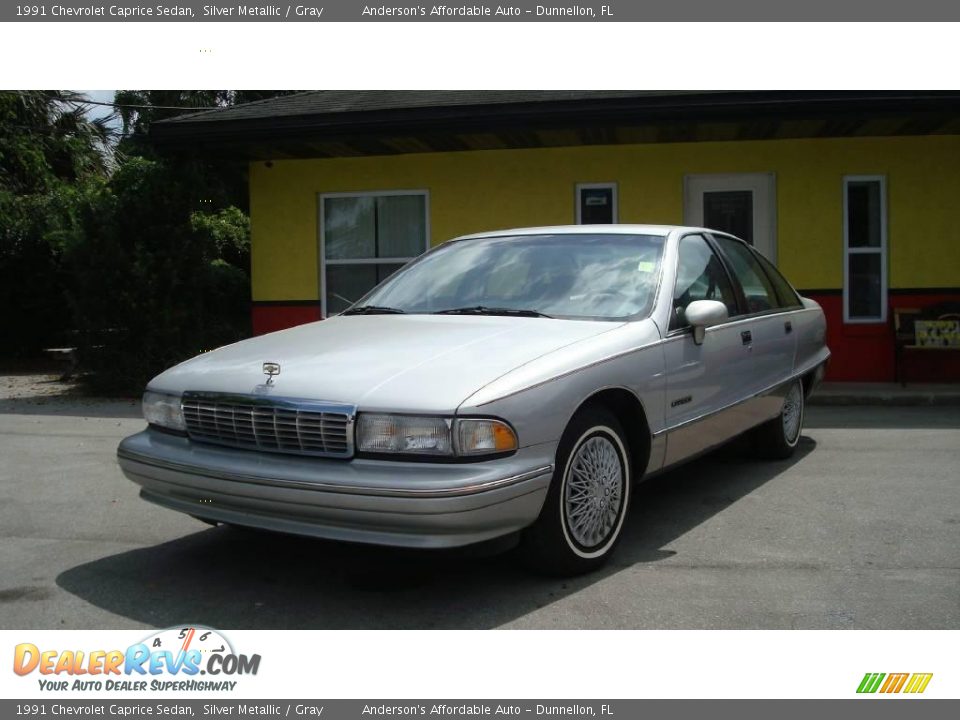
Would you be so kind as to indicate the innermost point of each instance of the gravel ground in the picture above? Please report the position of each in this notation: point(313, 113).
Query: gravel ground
point(33, 387)
point(40, 393)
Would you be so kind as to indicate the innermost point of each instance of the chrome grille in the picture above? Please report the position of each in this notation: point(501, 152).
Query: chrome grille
point(300, 427)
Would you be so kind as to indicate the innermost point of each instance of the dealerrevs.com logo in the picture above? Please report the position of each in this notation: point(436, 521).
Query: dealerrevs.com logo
point(911, 683)
point(172, 659)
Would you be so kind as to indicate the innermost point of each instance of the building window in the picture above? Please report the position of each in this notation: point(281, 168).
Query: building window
point(596, 203)
point(365, 238)
point(865, 249)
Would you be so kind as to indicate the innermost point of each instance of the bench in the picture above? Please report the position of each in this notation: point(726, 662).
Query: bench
point(67, 357)
point(933, 328)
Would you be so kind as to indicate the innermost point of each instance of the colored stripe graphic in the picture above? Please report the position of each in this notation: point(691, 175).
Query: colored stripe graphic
point(918, 683)
point(894, 682)
point(870, 682)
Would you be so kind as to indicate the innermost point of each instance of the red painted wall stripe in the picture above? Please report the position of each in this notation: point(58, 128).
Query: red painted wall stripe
point(866, 352)
point(275, 316)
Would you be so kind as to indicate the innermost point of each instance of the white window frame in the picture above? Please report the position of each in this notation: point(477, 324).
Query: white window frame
point(596, 186)
point(848, 251)
point(323, 262)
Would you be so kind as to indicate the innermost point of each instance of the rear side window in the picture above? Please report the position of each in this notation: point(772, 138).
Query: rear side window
point(787, 295)
point(700, 276)
point(757, 288)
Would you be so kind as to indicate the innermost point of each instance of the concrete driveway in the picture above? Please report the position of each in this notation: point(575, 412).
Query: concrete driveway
point(861, 529)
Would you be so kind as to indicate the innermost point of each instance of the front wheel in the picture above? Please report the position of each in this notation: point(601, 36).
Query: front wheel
point(778, 438)
point(583, 515)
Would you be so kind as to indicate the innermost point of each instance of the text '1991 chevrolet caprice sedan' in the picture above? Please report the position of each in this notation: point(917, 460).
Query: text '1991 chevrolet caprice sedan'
point(509, 383)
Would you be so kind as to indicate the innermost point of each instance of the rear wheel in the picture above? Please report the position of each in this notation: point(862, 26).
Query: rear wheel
point(582, 517)
point(778, 438)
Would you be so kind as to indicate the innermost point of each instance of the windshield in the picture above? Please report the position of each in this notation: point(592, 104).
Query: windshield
point(586, 276)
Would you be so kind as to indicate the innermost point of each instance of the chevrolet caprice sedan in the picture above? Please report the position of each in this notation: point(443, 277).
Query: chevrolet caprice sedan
point(511, 383)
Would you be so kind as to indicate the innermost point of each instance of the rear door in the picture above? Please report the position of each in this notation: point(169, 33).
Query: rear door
point(767, 316)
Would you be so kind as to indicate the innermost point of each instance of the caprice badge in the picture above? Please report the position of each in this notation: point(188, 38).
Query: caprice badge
point(271, 369)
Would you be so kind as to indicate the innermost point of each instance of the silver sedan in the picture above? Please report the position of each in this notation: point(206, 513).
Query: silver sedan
point(508, 383)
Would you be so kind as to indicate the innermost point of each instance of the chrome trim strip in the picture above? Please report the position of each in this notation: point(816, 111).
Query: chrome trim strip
point(282, 401)
point(329, 487)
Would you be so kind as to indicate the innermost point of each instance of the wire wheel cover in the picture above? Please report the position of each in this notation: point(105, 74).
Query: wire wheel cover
point(792, 414)
point(593, 495)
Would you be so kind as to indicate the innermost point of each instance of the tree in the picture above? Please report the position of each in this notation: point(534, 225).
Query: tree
point(138, 260)
point(171, 242)
point(152, 282)
point(48, 137)
point(51, 154)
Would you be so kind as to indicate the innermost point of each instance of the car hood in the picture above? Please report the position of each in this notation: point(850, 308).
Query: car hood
point(415, 363)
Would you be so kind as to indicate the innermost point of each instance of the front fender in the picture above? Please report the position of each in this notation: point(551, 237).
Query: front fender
point(541, 412)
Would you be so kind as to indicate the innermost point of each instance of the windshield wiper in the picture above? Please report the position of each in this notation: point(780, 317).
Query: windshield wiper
point(373, 310)
point(484, 310)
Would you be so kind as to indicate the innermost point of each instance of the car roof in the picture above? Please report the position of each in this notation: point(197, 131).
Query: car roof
point(662, 230)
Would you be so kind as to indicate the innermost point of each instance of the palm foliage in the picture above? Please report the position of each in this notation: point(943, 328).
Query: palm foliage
point(48, 136)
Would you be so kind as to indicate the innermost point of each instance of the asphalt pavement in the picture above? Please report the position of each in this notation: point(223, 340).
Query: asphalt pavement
point(861, 529)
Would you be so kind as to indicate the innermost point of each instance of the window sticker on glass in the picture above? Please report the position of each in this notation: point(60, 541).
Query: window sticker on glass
point(645, 266)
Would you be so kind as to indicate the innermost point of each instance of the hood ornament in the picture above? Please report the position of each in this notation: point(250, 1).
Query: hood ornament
point(271, 369)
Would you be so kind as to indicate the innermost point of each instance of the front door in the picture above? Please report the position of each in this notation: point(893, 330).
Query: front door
point(742, 204)
point(705, 383)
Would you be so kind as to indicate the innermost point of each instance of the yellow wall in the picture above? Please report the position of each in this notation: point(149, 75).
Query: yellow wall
point(486, 190)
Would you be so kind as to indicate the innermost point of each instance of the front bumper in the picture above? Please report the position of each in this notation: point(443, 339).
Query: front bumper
point(409, 504)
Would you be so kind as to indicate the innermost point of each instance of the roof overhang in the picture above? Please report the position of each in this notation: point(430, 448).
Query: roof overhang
point(341, 123)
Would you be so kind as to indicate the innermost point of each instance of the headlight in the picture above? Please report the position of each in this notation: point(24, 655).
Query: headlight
point(403, 434)
point(163, 410)
point(434, 436)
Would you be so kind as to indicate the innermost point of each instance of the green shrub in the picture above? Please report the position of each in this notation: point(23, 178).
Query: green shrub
point(34, 229)
point(51, 155)
point(154, 277)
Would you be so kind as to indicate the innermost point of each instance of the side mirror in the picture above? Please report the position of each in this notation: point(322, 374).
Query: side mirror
point(701, 314)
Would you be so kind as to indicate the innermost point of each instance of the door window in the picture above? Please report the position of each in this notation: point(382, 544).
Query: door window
point(785, 293)
point(757, 288)
point(700, 276)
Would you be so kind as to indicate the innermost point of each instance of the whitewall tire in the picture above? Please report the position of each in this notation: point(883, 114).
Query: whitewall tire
point(583, 516)
point(778, 438)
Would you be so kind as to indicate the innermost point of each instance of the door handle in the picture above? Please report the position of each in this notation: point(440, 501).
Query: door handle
point(788, 327)
point(746, 337)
